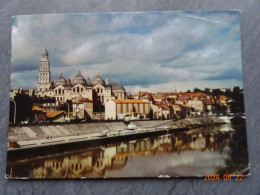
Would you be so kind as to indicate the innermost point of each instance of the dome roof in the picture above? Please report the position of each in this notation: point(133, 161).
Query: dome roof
point(78, 79)
point(44, 55)
point(61, 80)
point(98, 79)
point(117, 87)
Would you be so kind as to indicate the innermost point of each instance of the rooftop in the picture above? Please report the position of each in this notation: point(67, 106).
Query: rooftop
point(129, 101)
point(54, 114)
point(84, 100)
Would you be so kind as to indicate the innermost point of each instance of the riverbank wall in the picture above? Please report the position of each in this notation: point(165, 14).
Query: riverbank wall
point(56, 134)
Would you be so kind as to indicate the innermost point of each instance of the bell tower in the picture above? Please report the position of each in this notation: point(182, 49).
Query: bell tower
point(44, 72)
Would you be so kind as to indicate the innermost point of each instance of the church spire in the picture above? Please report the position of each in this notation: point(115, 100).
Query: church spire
point(44, 52)
point(107, 81)
point(44, 55)
point(44, 80)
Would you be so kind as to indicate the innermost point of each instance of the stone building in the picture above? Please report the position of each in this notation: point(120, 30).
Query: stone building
point(97, 90)
point(118, 109)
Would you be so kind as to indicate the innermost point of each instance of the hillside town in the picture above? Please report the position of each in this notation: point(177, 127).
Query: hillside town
point(80, 99)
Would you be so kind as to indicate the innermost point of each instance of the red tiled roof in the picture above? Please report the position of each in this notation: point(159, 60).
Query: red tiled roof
point(207, 101)
point(184, 105)
point(53, 114)
point(37, 108)
point(192, 94)
point(85, 100)
point(133, 101)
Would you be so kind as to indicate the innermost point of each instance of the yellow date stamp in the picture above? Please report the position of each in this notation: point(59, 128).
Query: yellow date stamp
point(226, 177)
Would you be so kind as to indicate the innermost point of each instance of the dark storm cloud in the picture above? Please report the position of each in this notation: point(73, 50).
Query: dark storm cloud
point(136, 49)
point(235, 74)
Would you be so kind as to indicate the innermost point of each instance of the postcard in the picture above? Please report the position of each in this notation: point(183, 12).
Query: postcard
point(127, 95)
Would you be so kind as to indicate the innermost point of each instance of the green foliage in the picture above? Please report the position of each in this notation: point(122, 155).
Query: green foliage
point(238, 104)
point(238, 154)
point(196, 90)
point(23, 107)
point(42, 100)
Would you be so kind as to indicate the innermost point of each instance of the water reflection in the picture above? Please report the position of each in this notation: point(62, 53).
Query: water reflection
point(192, 153)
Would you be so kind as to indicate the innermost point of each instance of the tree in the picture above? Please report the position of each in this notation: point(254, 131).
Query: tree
point(228, 93)
point(23, 107)
point(237, 105)
point(216, 92)
point(207, 91)
point(196, 90)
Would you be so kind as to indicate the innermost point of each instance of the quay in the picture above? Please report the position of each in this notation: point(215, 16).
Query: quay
point(50, 136)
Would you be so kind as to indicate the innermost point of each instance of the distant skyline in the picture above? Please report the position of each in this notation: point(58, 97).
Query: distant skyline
point(147, 51)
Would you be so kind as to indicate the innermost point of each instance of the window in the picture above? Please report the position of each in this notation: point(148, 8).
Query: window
point(63, 91)
point(98, 90)
point(77, 89)
point(46, 89)
point(40, 89)
point(55, 91)
point(59, 91)
point(81, 89)
point(101, 90)
point(74, 90)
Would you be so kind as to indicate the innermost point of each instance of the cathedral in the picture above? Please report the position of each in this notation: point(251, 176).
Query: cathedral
point(78, 88)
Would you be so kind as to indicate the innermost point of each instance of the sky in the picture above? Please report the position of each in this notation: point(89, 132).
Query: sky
point(143, 51)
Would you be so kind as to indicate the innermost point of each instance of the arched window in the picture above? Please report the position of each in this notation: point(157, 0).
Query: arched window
point(98, 90)
point(81, 89)
point(74, 90)
point(59, 91)
point(77, 89)
point(101, 90)
point(63, 91)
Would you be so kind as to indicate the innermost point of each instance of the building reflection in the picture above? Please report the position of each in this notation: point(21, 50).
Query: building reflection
point(98, 162)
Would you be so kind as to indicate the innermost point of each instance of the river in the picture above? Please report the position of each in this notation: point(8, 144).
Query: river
point(217, 149)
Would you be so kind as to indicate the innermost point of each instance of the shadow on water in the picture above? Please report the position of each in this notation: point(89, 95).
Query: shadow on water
point(205, 150)
point(238, 160)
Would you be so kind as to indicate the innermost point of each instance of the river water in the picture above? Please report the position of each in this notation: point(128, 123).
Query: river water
point(216, 149)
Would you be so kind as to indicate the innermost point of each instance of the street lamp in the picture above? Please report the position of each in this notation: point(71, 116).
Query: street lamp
point(14, 109)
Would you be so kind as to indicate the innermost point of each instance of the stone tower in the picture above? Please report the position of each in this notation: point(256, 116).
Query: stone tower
point(44, 81)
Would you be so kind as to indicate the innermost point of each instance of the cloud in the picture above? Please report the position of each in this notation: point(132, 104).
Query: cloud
point(144, 50)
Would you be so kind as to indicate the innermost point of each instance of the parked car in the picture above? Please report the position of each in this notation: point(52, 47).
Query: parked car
point(13, 144)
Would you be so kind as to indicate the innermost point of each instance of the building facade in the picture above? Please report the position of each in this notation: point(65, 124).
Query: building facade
point(98, 91)
point(118, 109)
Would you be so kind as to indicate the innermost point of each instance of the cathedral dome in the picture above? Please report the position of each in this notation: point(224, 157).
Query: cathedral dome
point(117, 87)
point(78, 79)
point(60, 81)
point(44, 55)
point(98, 79)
